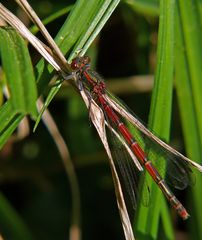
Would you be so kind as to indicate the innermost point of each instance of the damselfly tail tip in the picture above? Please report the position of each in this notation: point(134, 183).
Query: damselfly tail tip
point(184, 214)
point(181, 211)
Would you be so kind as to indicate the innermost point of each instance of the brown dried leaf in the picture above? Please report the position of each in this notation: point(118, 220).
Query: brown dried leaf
point(35, 19)
point(12, 20)
point(97, 117)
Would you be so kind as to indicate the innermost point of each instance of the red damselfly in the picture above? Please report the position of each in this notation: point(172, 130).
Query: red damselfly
point(104, 110)
point(95, 88)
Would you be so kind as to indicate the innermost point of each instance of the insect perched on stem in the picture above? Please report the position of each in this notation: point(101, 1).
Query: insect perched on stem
point(91, 83)
point(106, 111)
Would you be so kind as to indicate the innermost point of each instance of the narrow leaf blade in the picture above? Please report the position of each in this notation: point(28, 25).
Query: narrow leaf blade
point(19, 72)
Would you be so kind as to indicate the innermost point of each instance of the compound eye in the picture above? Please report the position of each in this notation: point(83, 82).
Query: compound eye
point(74, 64)
point(86, 60)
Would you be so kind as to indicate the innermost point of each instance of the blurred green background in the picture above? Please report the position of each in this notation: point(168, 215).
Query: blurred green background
point(35, 191)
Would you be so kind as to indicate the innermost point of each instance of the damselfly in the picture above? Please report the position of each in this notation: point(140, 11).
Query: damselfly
point(104, 110)
point(95, 88)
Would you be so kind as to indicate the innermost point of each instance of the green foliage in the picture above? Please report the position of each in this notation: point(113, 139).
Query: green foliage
point(159, 122)
point(146, 7)
point(188, 85)
point(19, 73)
point(178, 59)
point(21, 82)
point(11, 222)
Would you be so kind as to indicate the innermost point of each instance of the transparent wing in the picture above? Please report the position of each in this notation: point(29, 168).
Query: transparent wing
point(178, 172)
point(129, 173)
point(178, 167)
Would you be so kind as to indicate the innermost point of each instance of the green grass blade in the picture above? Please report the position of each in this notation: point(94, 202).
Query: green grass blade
point(6, 133)
point(1, 90)
point(192, 37)
point(146, 7)
point(85, 28)
point(159, 122)
point(101, 17)
point(19, 72)
point(187, 80)
point(12, 226)
point(9, 121)
point(34, 29)
point(90, 16)
point(74, 30)
point(49, 98)
point(7, 113)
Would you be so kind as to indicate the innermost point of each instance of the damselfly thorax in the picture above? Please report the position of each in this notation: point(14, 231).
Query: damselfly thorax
point(91, 79)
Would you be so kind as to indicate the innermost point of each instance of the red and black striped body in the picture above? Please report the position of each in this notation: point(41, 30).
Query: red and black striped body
point(97, 87)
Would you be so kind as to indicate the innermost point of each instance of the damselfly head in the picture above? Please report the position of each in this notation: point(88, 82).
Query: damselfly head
point(79, 62)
